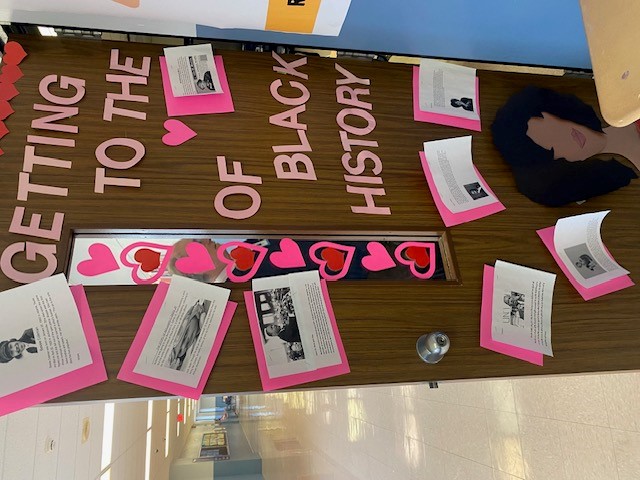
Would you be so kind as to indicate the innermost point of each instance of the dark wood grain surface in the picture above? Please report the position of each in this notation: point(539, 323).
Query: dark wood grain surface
point(379, 321)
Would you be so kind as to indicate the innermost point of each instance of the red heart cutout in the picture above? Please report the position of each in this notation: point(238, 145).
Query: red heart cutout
point(243, 257)
point(334, 258)
point(10, 74)
point(148, 259)
point(13, 53)
point(8, 91)
point(3, 129)
point(418, 255)
point(5, 109)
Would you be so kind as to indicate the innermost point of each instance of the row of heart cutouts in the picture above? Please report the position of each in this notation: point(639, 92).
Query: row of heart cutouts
point(244, 259)
point(10, 73)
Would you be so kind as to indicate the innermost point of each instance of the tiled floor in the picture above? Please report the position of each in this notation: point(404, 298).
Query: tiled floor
point(559, 428)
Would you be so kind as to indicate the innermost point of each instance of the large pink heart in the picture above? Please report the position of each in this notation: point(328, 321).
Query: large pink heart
point(178, 133)
point(197, 260)
point(378, 259)
point(411, 261)
point(135, 266)
point(101, 261)
point(328, 275)
point(289, 255)
point(231, 263)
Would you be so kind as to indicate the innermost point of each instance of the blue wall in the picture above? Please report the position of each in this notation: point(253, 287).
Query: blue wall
point(536, 32)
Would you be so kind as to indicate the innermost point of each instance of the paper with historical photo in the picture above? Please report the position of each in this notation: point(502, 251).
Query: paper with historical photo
point(457, 181)
point(448, 89)
point(192, 70)
point(521, 310)
point(183, 333)
point(579, 245)
point(297, 335)
point(41, 336)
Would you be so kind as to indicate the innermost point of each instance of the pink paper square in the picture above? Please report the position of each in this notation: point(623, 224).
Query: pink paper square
point(450, 218)
point(439, 118)
point(486, 339)
point(546, 234)
point(71, 381)
point(128, 375)
point(197, 104)
point(297, 378)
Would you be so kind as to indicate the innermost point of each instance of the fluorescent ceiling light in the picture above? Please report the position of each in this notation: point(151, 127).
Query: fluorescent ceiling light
point(47, 32)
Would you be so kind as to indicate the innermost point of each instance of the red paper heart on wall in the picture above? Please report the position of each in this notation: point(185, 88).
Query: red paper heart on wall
point(13, 53)
point(334, 258)
point(418, 255)
point(3, 129)
point(148, 259)
point(243, 257)
point(8, 91)
point(10, 74)
point(5, 109)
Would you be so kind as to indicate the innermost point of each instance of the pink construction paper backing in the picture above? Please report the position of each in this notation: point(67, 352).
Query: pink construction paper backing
point(268, 383)
point(197, 104)
point(68, 382)
point(439, 118)
point(127, 374)
point(450, 218)
point(486, 339)
point(620, 283)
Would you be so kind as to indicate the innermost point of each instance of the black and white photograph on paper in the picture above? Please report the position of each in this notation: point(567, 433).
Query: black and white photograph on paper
point(464, 103)
point(184, 328)
point(15, 348)
point(292, 324)
point(42, 337)
point(189, 332)
point(514, 310)
point(522, 298)
point(475, 190)
point(192, 70)
point(584, 261)
point(279, 323)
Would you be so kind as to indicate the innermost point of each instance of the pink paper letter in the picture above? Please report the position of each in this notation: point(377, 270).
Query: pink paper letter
point(34, 229)
point(237, 190)
point(32, 249)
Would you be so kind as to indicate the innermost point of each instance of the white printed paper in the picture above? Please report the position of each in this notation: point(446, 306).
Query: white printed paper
point(41, 335)
point(184, 331)
point(297, 335)
point(448, 89)
point(457, 181)
point(521, 313)
point(192, 70)
point(579, 245)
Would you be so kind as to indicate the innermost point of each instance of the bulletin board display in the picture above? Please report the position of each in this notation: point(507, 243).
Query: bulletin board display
point(312, 144)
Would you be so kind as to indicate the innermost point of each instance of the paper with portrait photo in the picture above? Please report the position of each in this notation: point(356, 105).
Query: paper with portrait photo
point(192, 70)
point(448, 89)
point(579, 246)
point(42, 317)
point(183, 333)
point(521, 307)
point(294, 330)
point(457, 182)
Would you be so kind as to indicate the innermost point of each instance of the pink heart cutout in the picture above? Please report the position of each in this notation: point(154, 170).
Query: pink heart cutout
point(289, 255)
point(230, 262)
point(101, 261)
point(411, 262)
point(378, 259)
point(348, 250)
point(178, 133)
point(197, 260)
point(135, 266)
